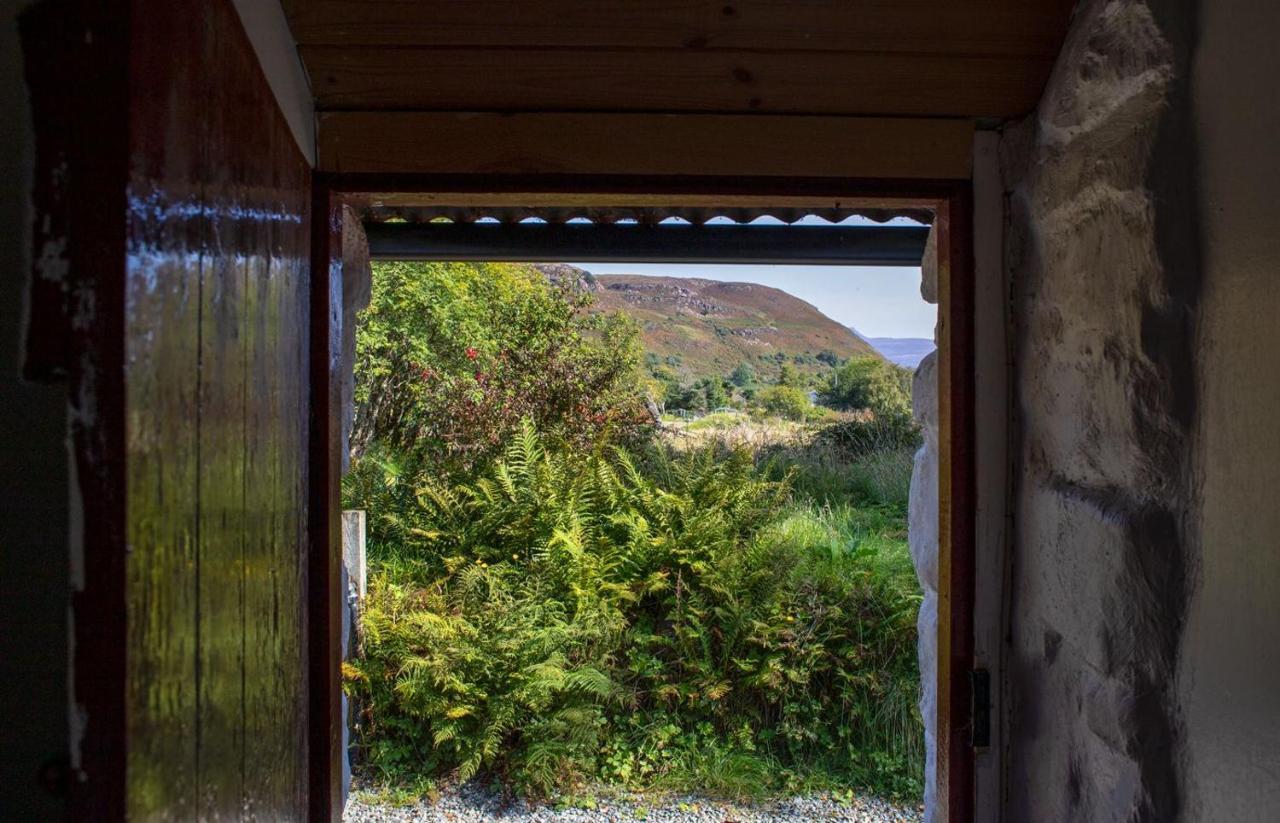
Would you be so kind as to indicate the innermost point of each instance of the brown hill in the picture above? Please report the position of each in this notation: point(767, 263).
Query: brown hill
point(702, 328)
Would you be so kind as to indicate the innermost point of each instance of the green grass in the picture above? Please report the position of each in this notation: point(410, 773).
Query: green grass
point(716, 421)
point(823, 475)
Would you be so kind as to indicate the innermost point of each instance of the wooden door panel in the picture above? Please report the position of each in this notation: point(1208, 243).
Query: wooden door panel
point(216, 411)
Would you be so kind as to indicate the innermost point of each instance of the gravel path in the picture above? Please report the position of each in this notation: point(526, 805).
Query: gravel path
point(472, 804)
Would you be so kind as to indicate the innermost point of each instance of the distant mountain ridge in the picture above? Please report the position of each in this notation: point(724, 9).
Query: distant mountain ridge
point(703, 328)
point(905, 351)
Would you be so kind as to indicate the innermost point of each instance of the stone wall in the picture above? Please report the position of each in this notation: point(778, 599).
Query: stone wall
point(357, 289)
point(923, 537)
point(922, 522)
point(1103, 258)
point(1143, 257)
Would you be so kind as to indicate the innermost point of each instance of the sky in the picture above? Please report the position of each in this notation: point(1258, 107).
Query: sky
point(877, 301)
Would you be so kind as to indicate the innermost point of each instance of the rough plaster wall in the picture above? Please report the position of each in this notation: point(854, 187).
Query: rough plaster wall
point(34, 514)
point(923, 536)
point(1104, 269)
point(357, 289)
point(1230, 677)
point(922, 520)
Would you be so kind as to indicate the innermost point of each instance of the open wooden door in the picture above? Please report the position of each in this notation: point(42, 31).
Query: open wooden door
point(175, 204)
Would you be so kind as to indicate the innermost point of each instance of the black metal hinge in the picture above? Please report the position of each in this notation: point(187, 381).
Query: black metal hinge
point(980, 688)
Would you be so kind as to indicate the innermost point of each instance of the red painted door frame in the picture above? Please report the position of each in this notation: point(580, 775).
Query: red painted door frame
point(953, 202)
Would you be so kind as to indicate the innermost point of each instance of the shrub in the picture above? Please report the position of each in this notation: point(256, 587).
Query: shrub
point(872, 384)
point(648, 618)
point(475, 669)
point(454, 355)
point(787, 402)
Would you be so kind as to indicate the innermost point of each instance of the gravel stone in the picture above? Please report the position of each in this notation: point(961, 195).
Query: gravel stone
point(473, 803)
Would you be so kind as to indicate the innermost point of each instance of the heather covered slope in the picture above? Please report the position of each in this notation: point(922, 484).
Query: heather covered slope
point(702, 328)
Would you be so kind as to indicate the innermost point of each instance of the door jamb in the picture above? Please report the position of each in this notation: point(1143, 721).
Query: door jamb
point(953, 203)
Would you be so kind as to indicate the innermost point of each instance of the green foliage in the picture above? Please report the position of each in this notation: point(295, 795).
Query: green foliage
point(787, 402)
point(704, 395)
point(644, 618)
point(831, 475)
point(556, 599)
point(871, 384)
point(453, 355)
point(867, 435)
point(715, 393)
point(691, 398)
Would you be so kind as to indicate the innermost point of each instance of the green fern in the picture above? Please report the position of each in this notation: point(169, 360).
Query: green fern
point(570, 610)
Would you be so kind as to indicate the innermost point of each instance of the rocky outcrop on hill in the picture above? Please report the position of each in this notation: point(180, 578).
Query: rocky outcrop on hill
point(564, 274)
point(703, 328)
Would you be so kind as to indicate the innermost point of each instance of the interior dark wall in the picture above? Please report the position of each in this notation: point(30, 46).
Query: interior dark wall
point(217, 407)
point(34, 512)
point(1230, 673)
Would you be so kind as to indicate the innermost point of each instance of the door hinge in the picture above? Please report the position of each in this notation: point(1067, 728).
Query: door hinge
point(980, 688)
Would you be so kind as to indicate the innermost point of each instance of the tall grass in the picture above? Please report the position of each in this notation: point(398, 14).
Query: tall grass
point(856, 459)
point(862, 552)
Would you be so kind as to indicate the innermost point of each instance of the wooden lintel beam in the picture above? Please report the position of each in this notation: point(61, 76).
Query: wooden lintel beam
point(835, 84)
point(1007, 27)
point(435, 143)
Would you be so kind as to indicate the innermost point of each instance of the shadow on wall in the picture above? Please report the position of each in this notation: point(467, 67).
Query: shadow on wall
point(34, 516)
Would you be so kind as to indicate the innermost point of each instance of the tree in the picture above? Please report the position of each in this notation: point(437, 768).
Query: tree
point(452, 356)
point(743, 376)
point(869, 383)
point(786, 401)
point(829, 357)
point(691, 398)
point(713, 390)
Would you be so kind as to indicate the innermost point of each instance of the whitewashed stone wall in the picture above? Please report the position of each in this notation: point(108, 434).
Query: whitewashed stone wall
point(357, 286)
point(922, 531)
point(1103, 262)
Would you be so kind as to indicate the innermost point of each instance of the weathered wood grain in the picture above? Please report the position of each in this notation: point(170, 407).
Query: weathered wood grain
point(515, 80)
point(167, 249)
point(644, 144)
point(217, 403)
point(956, 508)
point(1009, 27)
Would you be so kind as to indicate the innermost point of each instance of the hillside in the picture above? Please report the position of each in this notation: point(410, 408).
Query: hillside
point(703, 328)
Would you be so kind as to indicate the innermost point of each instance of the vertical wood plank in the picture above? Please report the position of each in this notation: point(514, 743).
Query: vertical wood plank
point(275, 759)
point(167, 246)
point(222, 525)
point(992, 415)
point(217, 410)
point(291, 264)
